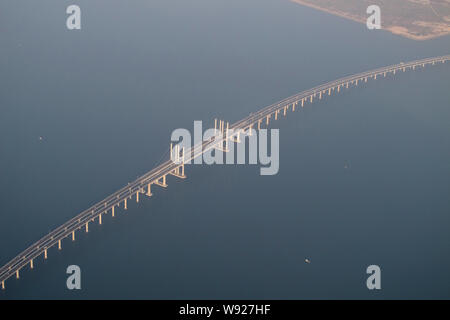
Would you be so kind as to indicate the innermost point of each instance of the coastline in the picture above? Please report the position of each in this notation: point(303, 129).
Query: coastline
point(397, 30)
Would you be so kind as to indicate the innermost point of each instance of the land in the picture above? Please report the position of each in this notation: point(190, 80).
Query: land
point(413, 19)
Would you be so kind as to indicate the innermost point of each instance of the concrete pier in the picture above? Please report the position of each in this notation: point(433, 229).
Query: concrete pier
point(149, 190)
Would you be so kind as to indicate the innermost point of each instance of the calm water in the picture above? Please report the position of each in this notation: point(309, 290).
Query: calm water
point(105, 100)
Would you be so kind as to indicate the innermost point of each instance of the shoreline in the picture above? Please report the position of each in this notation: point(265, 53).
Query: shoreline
point(397, 30)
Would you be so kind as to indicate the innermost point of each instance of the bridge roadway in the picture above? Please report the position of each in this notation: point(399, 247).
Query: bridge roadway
point(153, 177)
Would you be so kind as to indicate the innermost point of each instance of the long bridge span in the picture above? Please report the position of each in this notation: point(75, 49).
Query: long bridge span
point(175, 165)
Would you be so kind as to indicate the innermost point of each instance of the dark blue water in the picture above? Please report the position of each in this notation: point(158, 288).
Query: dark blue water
point(106, 99)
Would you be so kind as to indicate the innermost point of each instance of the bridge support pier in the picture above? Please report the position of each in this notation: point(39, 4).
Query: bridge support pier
point(45, 254)
point(176, 172)
point(59, 244)
point(303, 102)
point(100, 218)
point(320, 95)
point(311, 98)
point(17, 274)
point(125, 204)
point(31, 263)
point(87, 226)
point(259, 124)
point(250, 130)
point(137, 196)
point(3, 285)
point(267, 120)
point(73, 235)
point(149, 190)
point(161, 184)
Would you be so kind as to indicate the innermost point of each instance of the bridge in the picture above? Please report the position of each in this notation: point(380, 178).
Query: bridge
point(225, 134)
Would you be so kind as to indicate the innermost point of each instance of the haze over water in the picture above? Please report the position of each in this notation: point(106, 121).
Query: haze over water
point(364, 174)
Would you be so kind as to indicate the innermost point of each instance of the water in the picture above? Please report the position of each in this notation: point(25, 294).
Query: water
point(105, 100)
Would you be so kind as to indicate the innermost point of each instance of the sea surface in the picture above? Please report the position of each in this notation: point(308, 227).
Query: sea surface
point(364, 175)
